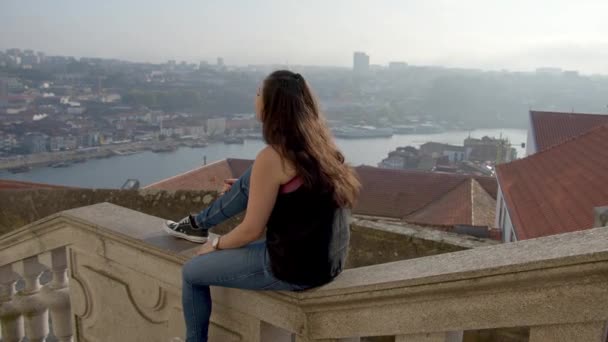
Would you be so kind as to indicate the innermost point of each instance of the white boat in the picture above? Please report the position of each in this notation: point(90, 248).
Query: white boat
point(255, 136)
point(362, 132)
point(428, 128)
point(404, 129)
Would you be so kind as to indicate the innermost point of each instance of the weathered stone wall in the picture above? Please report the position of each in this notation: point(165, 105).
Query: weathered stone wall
point(372, 242)
point(20, 207)
point(377, 242)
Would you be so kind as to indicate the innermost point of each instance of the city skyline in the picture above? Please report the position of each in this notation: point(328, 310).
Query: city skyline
point(513, 35)
point(219, 62)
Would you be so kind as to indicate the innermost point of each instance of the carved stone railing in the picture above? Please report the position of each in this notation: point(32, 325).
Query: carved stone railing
point(26, 313)
point(114, 276)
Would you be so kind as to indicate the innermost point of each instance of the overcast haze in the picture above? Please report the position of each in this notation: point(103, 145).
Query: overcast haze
point(510, 34)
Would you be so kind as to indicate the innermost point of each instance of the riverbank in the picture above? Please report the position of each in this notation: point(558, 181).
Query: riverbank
point(24, 163)
point(149, 167)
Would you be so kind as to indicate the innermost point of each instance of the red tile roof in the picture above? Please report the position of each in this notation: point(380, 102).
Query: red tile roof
point(443, 209)
point(239, 166)
point(442, 198)
point(208, 177)
point(555, 191)
point(466, 204)
point(419, 196)
point(6, 184)
point(552, 128)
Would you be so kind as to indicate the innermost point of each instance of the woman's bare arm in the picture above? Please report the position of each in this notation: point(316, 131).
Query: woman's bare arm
point(266, 177)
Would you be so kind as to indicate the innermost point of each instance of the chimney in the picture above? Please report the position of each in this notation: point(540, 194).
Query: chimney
point(601, 216)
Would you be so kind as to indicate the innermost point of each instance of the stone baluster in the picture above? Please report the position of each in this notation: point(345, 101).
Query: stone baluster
point(299, 338)
point(11, 320)
point(452, 336)
point(29, 301)
point(270, 333)
point(588, 332)
point(56, 294)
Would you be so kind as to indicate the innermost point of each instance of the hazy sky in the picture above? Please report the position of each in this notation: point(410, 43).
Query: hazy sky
point(488, 34)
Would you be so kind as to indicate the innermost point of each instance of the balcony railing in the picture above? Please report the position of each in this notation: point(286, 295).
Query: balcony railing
point(106, 273)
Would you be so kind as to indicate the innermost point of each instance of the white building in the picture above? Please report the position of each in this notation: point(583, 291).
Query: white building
point(110, 98)
point(216, 126)
point(155, 117)
point(455, 153)
point(56, 143)
point(503, 219)
point(76, 110)
point(169, 131)
point(7, 141)
point(197, 131)
point(395, 163)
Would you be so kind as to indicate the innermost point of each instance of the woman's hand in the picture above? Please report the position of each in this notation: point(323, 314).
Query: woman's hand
point(207, 247)
point(227, 185)
point(266, 177)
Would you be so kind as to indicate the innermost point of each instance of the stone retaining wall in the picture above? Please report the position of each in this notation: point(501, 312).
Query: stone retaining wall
point(372, 242)
point(20, 207)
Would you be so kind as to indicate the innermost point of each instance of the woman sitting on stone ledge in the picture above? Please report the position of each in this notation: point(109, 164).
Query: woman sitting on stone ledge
point(299, 189)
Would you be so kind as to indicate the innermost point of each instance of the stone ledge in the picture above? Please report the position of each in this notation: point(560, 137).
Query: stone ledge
point(543, 253)
point(562, 250)
point(378, 242)
point(424, 233)
point(371, 243)
point(554, 280)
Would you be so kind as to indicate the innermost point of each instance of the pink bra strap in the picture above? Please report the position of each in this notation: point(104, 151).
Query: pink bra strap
point(291, 186)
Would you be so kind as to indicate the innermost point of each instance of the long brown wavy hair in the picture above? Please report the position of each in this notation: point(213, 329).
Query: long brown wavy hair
point(294, 125)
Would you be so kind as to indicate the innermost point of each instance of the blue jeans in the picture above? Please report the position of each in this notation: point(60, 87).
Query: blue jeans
point(232, 203)
point(244, 268)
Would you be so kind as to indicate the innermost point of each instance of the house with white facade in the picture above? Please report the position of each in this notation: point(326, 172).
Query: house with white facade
point(216, 126)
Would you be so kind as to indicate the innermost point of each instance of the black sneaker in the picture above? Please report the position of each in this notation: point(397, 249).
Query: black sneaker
point(186, 229)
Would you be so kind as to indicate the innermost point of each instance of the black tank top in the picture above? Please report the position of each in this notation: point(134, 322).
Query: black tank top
point(307, 237)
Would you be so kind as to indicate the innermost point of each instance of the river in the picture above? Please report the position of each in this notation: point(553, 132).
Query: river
point(149, 167)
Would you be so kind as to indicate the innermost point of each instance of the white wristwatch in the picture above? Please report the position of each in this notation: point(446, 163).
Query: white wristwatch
point(216, 243)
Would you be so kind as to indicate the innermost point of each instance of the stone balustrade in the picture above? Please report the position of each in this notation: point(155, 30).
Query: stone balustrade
point(25, 313)
point(114, 276)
